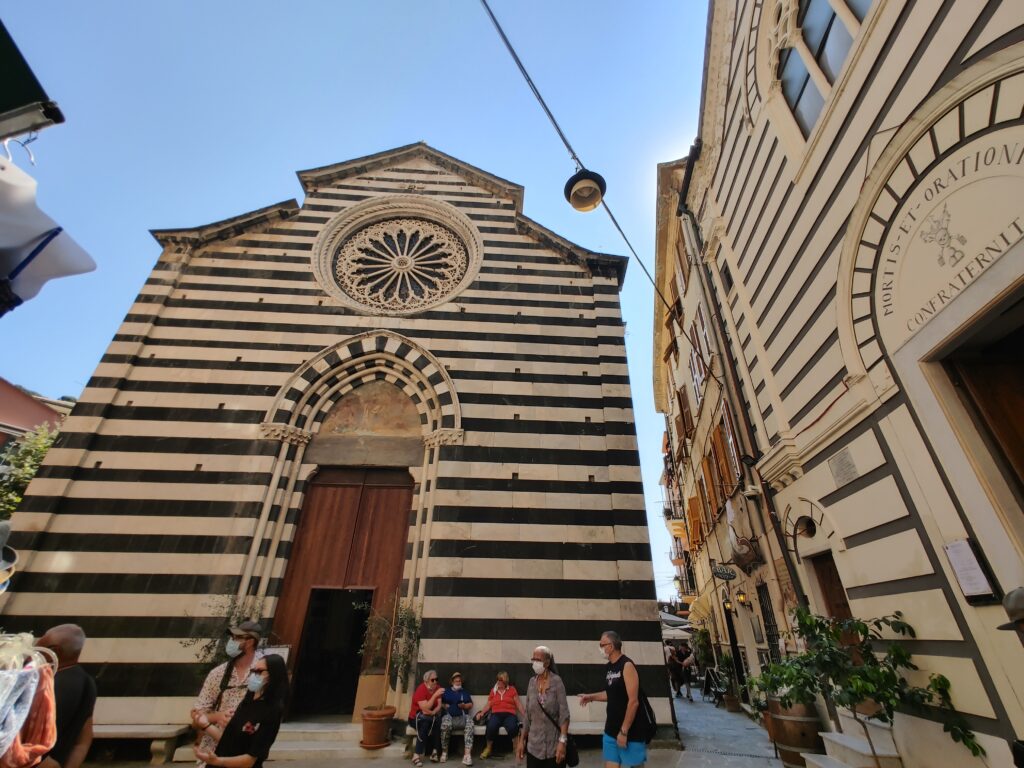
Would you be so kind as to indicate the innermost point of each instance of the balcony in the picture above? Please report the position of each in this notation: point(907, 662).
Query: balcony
point(677, 554)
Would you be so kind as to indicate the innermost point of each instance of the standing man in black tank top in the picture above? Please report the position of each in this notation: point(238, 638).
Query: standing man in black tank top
point(622, 744)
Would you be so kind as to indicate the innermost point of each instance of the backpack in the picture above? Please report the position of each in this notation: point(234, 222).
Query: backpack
point(646, 723)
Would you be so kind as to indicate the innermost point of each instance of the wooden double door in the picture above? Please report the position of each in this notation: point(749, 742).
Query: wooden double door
point(348, 551)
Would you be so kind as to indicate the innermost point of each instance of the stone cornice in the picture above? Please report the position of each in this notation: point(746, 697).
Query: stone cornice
point(244, 224)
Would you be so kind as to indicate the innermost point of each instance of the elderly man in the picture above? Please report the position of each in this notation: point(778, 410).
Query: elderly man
point(623, 743)
point(225, 688)
point(75, 695)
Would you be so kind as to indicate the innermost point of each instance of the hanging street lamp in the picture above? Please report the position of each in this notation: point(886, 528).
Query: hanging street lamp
point(585, 190)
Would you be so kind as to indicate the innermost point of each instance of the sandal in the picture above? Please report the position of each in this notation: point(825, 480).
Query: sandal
point(417, 761)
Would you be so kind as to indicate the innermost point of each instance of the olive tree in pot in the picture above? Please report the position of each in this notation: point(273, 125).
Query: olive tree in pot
point(851, 665)
point(391, 644)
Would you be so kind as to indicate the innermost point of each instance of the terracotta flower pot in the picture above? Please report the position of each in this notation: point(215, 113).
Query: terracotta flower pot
point(377, 727)
point(732, 703)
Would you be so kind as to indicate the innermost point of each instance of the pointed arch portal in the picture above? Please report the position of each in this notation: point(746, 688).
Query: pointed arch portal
point(356, 425)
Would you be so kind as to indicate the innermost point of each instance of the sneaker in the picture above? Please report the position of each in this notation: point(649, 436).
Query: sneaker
point(468, 759)
point(444, 756)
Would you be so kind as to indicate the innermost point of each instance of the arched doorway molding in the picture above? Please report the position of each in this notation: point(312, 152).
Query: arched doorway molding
point(865, 352)
point(298, 411)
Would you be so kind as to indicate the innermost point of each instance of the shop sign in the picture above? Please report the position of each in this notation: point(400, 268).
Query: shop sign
point(723, 572)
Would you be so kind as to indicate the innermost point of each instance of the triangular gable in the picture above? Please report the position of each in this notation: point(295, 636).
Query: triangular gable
point(412, 156)
point(315, 177)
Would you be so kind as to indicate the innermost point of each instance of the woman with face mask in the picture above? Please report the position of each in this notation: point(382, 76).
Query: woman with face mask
point(225, 688)
point(457, 705)
point(546, 721)
point(246, 740)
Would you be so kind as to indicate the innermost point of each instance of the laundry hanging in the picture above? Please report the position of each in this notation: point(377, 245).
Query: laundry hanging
point(28, 712)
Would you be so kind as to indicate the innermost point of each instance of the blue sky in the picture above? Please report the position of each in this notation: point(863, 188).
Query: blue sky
point(180, 114)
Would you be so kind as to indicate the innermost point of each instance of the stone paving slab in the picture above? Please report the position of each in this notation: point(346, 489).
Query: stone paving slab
point(712, 738)
point(715, 738)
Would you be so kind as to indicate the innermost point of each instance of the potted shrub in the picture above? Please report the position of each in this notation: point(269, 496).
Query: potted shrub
point(727, 673)
point(391, 643)
point(850, 665)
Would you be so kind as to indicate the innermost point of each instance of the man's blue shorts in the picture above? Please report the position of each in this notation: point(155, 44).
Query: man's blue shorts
point(634, 753)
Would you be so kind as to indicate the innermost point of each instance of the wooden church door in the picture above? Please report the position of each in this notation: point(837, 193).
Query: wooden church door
point(348, 551)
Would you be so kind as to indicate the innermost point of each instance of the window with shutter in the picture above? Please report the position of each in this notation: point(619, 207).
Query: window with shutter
point(711, 485)
point(731, 443)
point(683, 402)
point(726, 476)
point(694, 520)
point(705, 505)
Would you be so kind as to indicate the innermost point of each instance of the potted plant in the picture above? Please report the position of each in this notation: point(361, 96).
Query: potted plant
point(727, 672)
point(850, 665)
point(392, 644)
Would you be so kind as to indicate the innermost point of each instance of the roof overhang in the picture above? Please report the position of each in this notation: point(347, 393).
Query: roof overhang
point(246, 223)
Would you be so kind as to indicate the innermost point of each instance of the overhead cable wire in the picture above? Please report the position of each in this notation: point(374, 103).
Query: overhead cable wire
point(568, 146)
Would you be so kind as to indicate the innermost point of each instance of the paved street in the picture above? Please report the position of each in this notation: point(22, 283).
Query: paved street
point(715, 738)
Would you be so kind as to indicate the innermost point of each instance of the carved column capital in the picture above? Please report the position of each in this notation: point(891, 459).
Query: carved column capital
point(285, 433)
point(444, 437)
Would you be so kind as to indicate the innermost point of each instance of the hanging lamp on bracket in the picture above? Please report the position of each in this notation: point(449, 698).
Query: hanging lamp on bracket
point(585, 190)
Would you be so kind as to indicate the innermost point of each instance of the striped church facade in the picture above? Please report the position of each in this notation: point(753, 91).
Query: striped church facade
point(177, 486)
point(854, 202)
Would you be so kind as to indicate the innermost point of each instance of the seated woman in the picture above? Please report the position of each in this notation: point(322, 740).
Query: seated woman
point(457, 705)
point(503, 708)
point(246, 740)
point(425, 717)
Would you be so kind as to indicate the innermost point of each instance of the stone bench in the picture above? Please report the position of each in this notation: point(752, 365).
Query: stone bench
point(164, 739)
point(585, 728)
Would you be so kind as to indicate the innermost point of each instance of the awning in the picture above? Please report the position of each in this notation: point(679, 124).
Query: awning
point(675, 633)
point(700, 609)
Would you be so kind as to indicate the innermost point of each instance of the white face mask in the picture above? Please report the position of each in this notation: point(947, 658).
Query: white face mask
point(604, 651)
point(232, 648)
point(456, 686)
point(538, 667)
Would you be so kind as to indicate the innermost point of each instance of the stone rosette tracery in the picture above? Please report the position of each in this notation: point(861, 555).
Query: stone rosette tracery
point(401, 263)
point(397, 255)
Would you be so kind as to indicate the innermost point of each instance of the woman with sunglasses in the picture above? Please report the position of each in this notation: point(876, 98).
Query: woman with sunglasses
point(246, 740)
point(425, 717)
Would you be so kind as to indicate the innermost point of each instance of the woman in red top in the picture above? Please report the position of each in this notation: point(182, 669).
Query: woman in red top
point(502, 709)
point(425, 717)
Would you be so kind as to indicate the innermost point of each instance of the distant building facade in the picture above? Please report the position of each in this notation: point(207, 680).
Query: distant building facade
point(840, 359)
point(402, 386)
point(21, 412)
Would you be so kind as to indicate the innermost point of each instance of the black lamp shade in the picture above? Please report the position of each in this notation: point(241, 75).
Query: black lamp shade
point(585, 189)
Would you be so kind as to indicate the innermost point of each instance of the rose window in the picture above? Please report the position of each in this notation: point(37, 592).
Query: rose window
point(400, 264)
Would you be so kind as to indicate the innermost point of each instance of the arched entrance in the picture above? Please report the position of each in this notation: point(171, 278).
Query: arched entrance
point(349, 502)
point(349, 547)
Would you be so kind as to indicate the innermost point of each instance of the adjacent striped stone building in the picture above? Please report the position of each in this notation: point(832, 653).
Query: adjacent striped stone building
point(855, 205)
point(402, 384)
